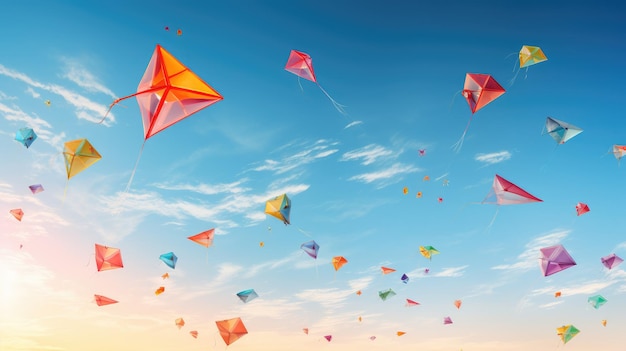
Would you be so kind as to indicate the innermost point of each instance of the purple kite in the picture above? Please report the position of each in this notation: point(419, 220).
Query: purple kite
point(447, 320)
point(35, 188)
point(311, 248)
point(555, 259)
point(611, 261)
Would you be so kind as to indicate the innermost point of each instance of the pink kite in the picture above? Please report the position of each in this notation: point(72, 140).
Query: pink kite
point(328, 337)
point(194, 333)
point(611, 261)
point(17, 213)
point(447, 320)
point(103, 300)
point(504, 192)
point(301, 64)
point(410, 303)
point(108, 258)
point(555, 259)
point(457, 303)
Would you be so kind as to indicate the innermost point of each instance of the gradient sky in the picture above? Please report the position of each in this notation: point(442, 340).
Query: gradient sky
point(398, 67)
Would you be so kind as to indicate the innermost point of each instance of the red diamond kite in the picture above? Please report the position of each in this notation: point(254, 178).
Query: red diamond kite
point(231, 329)
point(504, 192)
point(581, 208)
point(205, 238)
point(103, 300)
point(108, 258)
point(17, 213)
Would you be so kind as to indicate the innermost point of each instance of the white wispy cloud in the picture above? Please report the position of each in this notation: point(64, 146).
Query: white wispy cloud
point(352, 124)
point(393, 171)
point(207, 189)
point(447, 272)
point(493, 158)
point(319, 149)
point(529, 259)
point(84, 107)
point(78, 74)
point(33, 93)
point(367, 154)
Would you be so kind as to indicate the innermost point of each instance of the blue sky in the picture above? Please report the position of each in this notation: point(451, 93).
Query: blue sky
point(398, 67)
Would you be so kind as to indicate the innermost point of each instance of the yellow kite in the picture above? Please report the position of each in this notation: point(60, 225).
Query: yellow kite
point(79, 155)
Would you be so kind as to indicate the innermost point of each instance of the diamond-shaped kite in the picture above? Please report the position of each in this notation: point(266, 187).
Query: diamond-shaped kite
point(169, 259)
point(581, 208)
point(561, 131)
point(338, 262)
point(567, 332)
point(79, 155)
point(26, 136)
point(108, 258)
point(531, 55)
point(231, 330)
point(279, 207)
point(311, 248)
point(555, 259)
point(247, 295)
point(504, 192)
point(385, 294)
point(35, 188)
point(103, 300)
point(597, 300)
point(611, 261)
point(17, 213)
point(205, 238)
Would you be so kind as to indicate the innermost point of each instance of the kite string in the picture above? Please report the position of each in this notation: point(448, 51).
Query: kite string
point(337, 105)
point(459, 144)
point(132, 175)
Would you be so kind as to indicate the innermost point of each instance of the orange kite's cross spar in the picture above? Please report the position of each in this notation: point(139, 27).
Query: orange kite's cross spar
point(168, 93)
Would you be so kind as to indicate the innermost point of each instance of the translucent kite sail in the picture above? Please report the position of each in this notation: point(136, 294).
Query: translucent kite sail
point(619, 151)
point(79, 155)
point(555, 259)
point(17, 213)
point(567, 332)
point(328, 337)
point(311, 248)
point(338, 262)
point(561, 131)
point(385, 294)
point(531, 55)
point(597, 301)
point(428, 251)
point(103, 300)
point(611, 261)
point(410, 303)
point(179, 322)
point(301, 64)
point(205, 238)
point(279, 207)
point(25, 136)
point(387, 270)
point(247, 295)
point(447, 320)
point(478, 90)
point(457, 303)
point(159, 291)
point(194, 334)
point(108, 258)
point(169, 259)
point(503, 192)
point(35, 188)
point(231, 330)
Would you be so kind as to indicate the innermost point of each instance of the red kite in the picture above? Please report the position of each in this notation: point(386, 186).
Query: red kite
point(231, 329)
point(581, 208)
point(108, 258)
point(328, 337)
point(103, 300)
point(194, 333)
point(410, 303)
point(387, 270)
point(457, 303)
point(205, 238)
point(159, 291)
point(301, 64)
point(507, 193)
point(17, 213)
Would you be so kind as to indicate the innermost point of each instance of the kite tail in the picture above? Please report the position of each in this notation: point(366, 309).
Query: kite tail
point(514, 78)
point(488, 229)
point(453, 98)
point(115, 102)
point(132, 175)
point(459, 144)
point(300, 84)
point(337, 105)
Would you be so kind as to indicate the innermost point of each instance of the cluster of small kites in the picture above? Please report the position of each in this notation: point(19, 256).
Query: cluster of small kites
point(169, 92)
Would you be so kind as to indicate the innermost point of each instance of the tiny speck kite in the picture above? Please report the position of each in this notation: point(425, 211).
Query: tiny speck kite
point(400, 333)
point(311, 248)
point(567, 332)
point(247, 295)
point(108, 258)
point(79, 155)
point(530, 55)
point(611, 261)
point(301, 64)
point(555, 259)
point(387, 270)
point(604, 322)
point(48, 103)
point(328, 337)
point(231, 330)
point(428, 251)
point(35, 188)
point(581, 208)
point(103, 300)
point(419, 194)
point(385, 294)
point(205, 238)
point(557, 294)
point(169, 259)
point(422, 152)
point(372, 338)
point(279, 207)
point(26, 136)
point(405, 190)
point(179, 32)
point(194, 333)
point(159, 291)
point(447, 320)
point(179, 322)
point(17, 213)
point(597, 301)
point(165, 276)
point(561, 131)
point(457, 304)
point(305, 331)
point(338, 262)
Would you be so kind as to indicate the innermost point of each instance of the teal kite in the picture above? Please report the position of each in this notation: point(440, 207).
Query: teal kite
point(26, 136)
point(561, 131)
point(247, 295)
point(169, 259)
point(596, 301)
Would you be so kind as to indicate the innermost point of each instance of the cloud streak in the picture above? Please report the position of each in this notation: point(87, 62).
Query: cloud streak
point(493, 158)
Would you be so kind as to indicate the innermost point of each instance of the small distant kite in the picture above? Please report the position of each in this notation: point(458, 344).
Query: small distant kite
point(17, 213)
point(165, 276)
point(447, 320)
point(279, 207)
point(422, 152)
point(359, 292)
point(619, 151)
point(611, 261)
point(169, 259)
point(419, 194)
point(426, 178)
point(387, 270)
point(26, 136)
point(531, 55)
point(567, 332)
point(410, 303)
point(301, 64)
point(557, 294)
point(48, 103)
point(247, 295)
point(103, 300)
point(405, 278)
point(231, 330)
point(205, 238)
point(405, 190)
point(328, 337)
point(457, 304)
point(400, 333)
point(604, 322)
point(159, 291)
point(581, 208)
point(108, 258)
point(79, 155)
point(555, 259)
point(311, 248)
point(372, 338)
point(35, 188)
point(179, 32)
point(385, 294)
point(179, 322)
point(305, 331)
point(338, 262)
point(596, 301)
point(561, 131)
point(428, 251)
point(194, 333)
